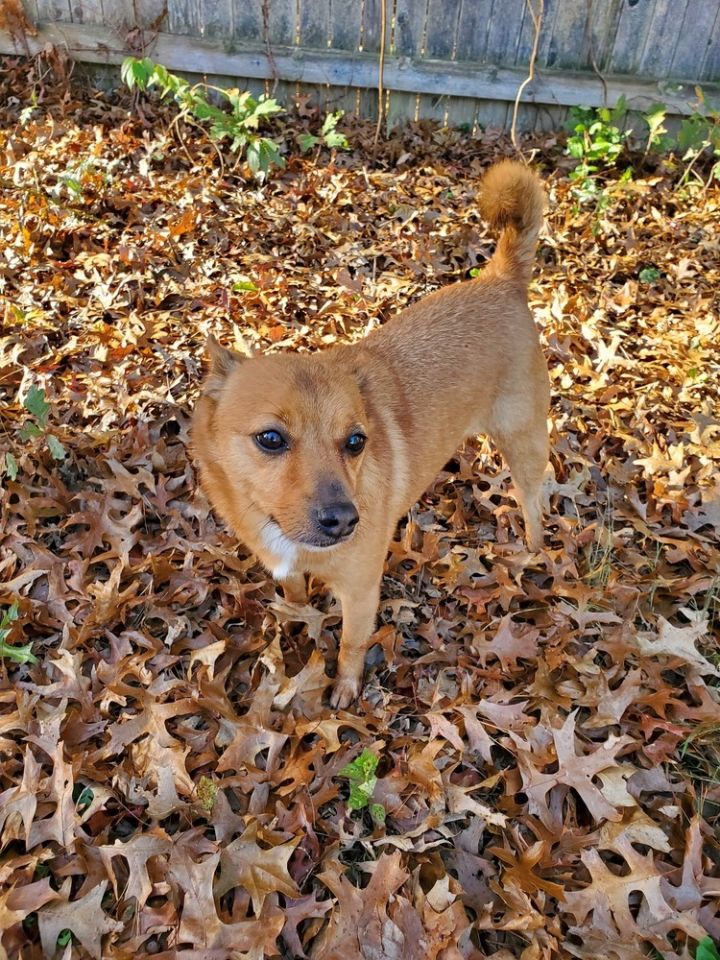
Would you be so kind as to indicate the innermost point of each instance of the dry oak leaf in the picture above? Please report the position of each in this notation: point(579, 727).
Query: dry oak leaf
point(305, 690)
point(519, 870)
point(329, 728)
point(136, 851)
point(679, 642)
point(295, 912)
point(359, 927)
point(459, 801)
point(18, 902)
point(576, 771)
point(248, 735)
point(61, 825)
point(479, 740)
point(19, 803)
point(608, 895)
point(512, 642)
point(85, 917)
point(243, 863)
point(200, 924)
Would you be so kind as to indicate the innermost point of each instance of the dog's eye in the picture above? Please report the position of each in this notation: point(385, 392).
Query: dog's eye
point(355, 443)
point(271, 440)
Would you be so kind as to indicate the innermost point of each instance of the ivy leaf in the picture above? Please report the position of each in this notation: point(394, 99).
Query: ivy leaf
point(306, 141)
point(57, 450)
point(36, 404)
point(30, 430)
point(11, 466)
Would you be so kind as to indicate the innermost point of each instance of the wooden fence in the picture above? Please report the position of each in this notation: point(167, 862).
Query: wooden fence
point(456, 60)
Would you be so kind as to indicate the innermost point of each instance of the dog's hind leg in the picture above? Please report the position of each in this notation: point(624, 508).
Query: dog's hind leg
point(520, 432)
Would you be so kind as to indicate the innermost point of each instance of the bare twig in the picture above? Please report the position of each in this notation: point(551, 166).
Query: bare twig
point(381, 71)
point(268, 48)
point(536, 16)
point(591, 48)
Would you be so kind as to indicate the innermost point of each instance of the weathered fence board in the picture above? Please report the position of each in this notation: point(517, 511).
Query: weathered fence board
point(455, 60)
point(711, 62)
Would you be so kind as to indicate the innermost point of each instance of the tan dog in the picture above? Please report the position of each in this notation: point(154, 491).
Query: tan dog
point(312, 458)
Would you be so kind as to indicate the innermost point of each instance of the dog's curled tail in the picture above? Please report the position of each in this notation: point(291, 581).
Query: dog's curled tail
point(512, 199)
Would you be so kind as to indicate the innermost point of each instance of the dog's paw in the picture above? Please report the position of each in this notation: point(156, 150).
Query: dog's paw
point(346, 690)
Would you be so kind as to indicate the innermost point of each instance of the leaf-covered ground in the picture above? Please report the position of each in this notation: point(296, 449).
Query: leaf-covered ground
point(547, 731)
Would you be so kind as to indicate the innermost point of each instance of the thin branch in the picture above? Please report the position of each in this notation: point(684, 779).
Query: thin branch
point(537, 24)
point(268, 49)
point(591, 47)
point(381, 71)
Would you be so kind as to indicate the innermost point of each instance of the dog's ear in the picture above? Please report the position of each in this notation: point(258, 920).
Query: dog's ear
point(222, 362)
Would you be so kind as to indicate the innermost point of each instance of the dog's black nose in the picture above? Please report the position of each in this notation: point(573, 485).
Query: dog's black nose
point(337, 520)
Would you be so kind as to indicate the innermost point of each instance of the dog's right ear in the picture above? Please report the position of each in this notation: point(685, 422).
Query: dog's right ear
point(222, 362)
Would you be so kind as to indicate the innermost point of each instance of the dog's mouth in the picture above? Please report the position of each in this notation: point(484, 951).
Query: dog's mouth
point(323, 543)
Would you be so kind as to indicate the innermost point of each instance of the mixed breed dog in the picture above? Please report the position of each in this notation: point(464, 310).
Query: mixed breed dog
point(311, 459)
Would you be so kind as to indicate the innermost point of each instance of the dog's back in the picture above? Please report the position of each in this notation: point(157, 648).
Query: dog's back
point(466, 359)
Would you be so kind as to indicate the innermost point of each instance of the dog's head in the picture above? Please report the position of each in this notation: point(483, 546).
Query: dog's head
point(287, 434)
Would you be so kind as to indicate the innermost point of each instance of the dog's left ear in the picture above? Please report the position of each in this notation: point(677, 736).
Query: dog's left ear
point(222, 362)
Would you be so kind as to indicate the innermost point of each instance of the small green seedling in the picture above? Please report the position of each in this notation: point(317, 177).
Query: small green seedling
point(361, 774)
point(655, 119)
point(649, 275)
point(19, 654)
point(329, 135)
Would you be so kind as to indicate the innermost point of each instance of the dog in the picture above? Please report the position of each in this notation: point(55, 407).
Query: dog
point(311, 459)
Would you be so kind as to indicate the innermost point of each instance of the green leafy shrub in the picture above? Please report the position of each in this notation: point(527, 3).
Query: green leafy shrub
point(238, 119)
point(596, 142)
point(239, 124)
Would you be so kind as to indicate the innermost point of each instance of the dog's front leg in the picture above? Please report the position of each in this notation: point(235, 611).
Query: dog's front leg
point(294, 588)
point(359, 601)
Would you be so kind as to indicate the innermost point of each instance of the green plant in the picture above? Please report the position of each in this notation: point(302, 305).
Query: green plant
point(706, 950)
point(329, 135)
point(38, 408)
point(655, 119)
point(361, 774)
point(699, 133)
point(240, 123)
point(649, 274)
point(19, 654)
point(596, 142)
point(11, 465)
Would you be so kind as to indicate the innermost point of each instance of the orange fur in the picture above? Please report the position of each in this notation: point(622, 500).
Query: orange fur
point(462, 361)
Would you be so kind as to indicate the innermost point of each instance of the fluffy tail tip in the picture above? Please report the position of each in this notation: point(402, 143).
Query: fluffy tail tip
point(512, 195)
